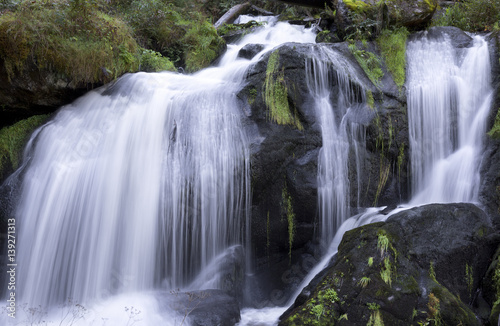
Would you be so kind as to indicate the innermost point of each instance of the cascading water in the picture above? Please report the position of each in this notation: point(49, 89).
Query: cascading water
point(138, 187)
point(449, 97)
point(333, 181)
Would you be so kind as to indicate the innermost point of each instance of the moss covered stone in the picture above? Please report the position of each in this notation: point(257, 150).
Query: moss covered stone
point(392, 46)
point(276, 94)
point(13, 140)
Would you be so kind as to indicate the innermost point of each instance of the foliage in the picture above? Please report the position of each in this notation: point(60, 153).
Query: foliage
point(72, 38)
point(375, 316)
point(370, 63)
point(382, 243)
point(386, 271)
point(495, 130)
point(202, 44)
point(392, 46)
point(276, 94)
point(287, 209)
point(434, 314)
point(472, 15)
point(152, 61)
point(364, 281)
point(12, 141)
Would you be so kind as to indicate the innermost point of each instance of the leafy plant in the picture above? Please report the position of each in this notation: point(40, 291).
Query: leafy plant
point(472, 15)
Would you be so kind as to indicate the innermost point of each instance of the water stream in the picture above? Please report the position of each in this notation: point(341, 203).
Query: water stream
point(139, 186)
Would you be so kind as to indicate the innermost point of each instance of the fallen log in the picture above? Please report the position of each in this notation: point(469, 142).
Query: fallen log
point(232, 14)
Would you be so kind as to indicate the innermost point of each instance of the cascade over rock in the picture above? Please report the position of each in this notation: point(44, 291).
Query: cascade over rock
point(429, 251)
point(284, 159)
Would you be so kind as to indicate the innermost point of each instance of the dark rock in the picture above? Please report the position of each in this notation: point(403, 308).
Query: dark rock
point(284, 162)
point(434, 254)
point(354, 16)
point(34, 92)
point(250, 50)
point(203, 308)
point(458, 38)
point(226, 272)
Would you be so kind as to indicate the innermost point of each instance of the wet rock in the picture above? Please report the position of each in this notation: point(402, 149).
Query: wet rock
point(422, 264)
point(250, 50)
point(203, 308)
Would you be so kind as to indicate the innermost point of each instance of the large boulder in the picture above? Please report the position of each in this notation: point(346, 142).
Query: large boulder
point(352, 16)
point(285, 153)
point(421, 266)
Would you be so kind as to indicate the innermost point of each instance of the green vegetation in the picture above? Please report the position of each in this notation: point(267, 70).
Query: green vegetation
point(382, 243)
point(356, 5)
point(287, 209)
point(469, 279)
point(392, 44)
point(364, 281)
point(495, 130)
point(370, 261)
point(432, 273)
point(276, 94)
point(369, 99)
point(375, 316)
point(96, 41)
point(69, 37)
point(434, 314)
point(385, 272)
point(13, 140)
point(472, 15)
point(370, 63)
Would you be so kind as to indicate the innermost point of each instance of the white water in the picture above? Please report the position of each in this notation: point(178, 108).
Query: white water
point(135, 189)
point(326, 71)
point(449, 98)
point(122, 166)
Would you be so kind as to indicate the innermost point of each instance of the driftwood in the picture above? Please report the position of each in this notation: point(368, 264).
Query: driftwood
point(232, 14)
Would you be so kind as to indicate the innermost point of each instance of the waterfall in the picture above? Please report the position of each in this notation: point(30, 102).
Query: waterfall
point(139, 186)
point(328, 71)
point(449, 97)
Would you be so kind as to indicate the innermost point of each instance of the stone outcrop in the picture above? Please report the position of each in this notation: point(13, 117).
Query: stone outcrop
point(424, 264)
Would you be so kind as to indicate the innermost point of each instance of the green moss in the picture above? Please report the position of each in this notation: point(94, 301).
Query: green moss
point(13, 140)
point(495, 310)
point(386, 271)
point(369, 99)
point(80, 42)
point(432, 273)
point(495, 130)
point(357, 6)
point(471, 15)
point(392, 46)
point(375, 316)
point(287, 209)
point(276, 94)
point(152, 61)
point(401, 157)
point(370, 63)
point(252, 95)
point(469, 279)
point(203, 45)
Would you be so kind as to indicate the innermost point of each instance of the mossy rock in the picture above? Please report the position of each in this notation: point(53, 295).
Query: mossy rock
point(12, 141)
point(386, 271)
point(362, 17)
